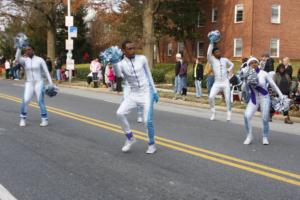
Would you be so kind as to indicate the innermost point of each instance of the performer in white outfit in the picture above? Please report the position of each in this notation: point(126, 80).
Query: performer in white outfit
point(135, 71)
point(35, 67)
point(219, 65)
point(259, 97)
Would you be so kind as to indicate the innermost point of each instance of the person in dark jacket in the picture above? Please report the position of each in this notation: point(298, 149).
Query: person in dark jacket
point(198, 76)
point(183, 79)
point(287, 65)
point(283, 81)
point(49, 65)
point(269, 65)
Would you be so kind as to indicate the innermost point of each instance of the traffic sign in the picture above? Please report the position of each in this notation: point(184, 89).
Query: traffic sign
point(69, 44)
point(73, 32)
point(70, 64)
point(69, 21)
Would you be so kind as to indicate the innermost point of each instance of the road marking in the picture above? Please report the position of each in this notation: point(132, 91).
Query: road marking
point(5, 194)
point(175, 145)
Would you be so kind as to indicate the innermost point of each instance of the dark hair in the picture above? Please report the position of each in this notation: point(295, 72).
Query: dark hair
point(125, 43)
point(29, 46)
point(244, 60)
point(215, 49)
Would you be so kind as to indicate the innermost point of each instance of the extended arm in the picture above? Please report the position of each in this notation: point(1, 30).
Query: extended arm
point(209, 53)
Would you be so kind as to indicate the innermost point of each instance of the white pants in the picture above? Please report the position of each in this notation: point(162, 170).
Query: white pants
point(133, 100)
point(264, 103)
point(38, 88)
point(217, 87)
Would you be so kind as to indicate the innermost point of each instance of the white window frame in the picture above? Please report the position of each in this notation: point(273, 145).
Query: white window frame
point(278, 48)
point(178, 47)
point(235, 47)
point(278, 20)
point(235, 13)
point(213, 15)
point(198, 50)
point(198, 19)
point(170, 49)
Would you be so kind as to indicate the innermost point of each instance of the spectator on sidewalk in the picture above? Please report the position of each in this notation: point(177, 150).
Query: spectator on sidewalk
point(288, 67)
point(7, 69)
point(58, 67)
point(210, 78)
point(177, 70)
point(283, 81)
point(269, 63)
point(183, 79)
point(110, 77)
point(95, 67)
point(198, 76)
point(16, 70)
point(49, 65)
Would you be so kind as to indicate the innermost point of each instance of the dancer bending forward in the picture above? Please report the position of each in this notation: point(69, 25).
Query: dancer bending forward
point(259, 97)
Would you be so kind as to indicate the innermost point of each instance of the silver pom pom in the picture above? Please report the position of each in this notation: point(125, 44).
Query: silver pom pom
point(281, 104)
point(21, 40)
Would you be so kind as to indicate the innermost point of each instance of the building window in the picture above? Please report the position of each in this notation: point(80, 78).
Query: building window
point(200, 49)
point(274, 47)
point(215, 14)
point(239, 12)
point(238, 47)
point(170, 49)
point(275, 18)
point(201, 19)
point(180, 47)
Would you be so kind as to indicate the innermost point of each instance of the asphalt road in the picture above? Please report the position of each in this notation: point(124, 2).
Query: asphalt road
point(78, 156)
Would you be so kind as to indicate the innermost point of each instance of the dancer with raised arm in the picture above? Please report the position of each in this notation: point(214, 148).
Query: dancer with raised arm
point(219, 65)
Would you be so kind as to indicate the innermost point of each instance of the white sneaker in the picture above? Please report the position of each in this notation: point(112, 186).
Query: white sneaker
point(44, 123)
point(213, 116)
point(248, 139)
point(229, 116)
point(139, 120)
point(22, 122)
point(128, 144)
point(151, 149)
point(265, 141)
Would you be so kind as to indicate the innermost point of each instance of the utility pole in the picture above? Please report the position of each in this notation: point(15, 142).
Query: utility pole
point(69, 42)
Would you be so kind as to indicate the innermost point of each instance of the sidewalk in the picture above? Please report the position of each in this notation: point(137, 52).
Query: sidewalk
point(83, 85)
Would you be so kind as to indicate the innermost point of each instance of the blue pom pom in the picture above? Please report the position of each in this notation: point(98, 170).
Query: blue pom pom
point(214, 36)
point(21, 40)
point(111, 55)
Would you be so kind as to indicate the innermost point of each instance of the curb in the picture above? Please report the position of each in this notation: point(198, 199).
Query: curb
point(178, 102)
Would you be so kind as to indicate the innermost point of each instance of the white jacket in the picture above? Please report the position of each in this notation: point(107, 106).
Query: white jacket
point(137, 73)
point(219, 66)
point(34, 67)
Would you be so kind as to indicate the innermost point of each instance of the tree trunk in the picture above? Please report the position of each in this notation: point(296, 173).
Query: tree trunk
point(51, 43)
point(148, 31)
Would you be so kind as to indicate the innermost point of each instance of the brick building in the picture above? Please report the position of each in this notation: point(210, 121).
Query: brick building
point(248, 27)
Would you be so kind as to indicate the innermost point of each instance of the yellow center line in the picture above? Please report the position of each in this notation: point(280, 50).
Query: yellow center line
point(175, 145)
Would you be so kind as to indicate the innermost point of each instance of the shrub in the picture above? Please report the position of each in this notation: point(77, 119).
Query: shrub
point(158, 75)
point(82, 72)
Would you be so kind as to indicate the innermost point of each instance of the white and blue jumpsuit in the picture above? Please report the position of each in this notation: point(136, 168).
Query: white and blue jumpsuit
point(137, 74)
point(35, 68)
point(259, 97)
point(221, 83)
